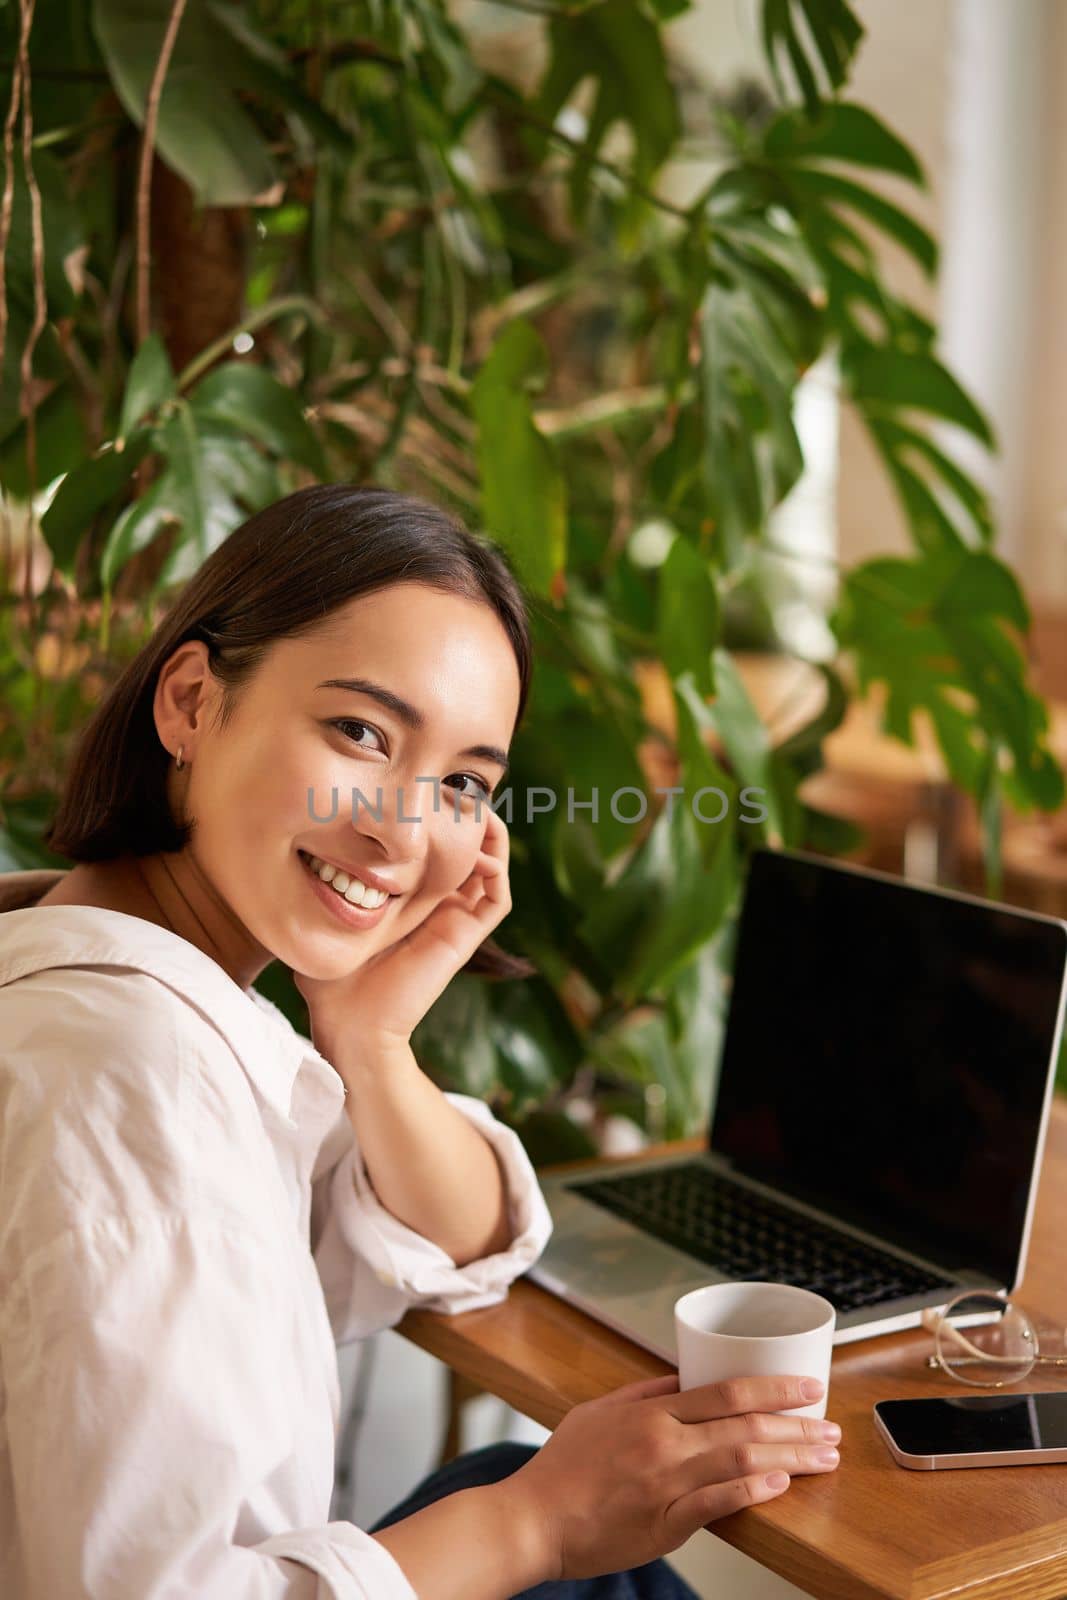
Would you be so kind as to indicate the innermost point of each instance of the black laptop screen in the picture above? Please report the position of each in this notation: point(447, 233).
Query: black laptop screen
point(887, 1056)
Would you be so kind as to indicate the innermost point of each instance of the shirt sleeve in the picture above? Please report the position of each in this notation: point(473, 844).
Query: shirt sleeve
point(149, 1400)
point(149, 1404)
point(352, 1231)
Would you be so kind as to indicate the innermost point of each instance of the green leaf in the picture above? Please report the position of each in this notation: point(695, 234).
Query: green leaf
point(622, 51)
point(851, 273)
point(66, 75)
point(135, 529)
point(576, 860)
point(895, 440)
point(237, 464)
point(524, 502)
point(551, 1136)
point(827, 835)
point(23, 823)
point(688, 617)
point(842, 132)
point(830, 188)
point(752, 456)
point(835, 32)
point(64, 236)
point(204, 133)
point(934, 631)
point(679, 886)
point(639, 1050)
point(259, 65)
point(931, 525)
point(983, 584)
point(84, 492)
point(879, 376)
point(803, 749)
point(744, 736)
point(961, 742)
point(452, 1041)
point(249, 397)
point(780, 33)
point(150, 381)
point(462, 75)
point(536, 1043)
point(232, 478)
point(696, 1008)
point(177, 496)
point(181, 442)
point(787, 269)
point(60, 440)
point(601, 761)
point(665, 905)
point(994, 671)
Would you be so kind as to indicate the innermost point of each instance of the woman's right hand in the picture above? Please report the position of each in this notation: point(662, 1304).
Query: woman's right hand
point(631, 1475)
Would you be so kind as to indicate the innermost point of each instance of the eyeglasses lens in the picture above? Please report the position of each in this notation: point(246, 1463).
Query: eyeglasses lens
point(984, 1340)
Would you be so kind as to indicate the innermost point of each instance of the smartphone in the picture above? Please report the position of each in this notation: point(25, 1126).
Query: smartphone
point(980, 1430)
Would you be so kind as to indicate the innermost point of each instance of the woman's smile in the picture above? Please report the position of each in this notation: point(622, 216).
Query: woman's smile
point(352, 915)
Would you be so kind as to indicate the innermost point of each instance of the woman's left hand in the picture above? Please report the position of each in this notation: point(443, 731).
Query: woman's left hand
point(383, 1000)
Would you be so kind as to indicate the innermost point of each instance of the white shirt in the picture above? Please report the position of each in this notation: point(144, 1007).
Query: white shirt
point(186, 1230)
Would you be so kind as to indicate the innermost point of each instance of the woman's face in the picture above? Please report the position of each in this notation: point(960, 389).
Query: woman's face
point(257, 787)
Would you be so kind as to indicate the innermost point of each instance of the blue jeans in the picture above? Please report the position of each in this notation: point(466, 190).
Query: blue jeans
point(654, 1581)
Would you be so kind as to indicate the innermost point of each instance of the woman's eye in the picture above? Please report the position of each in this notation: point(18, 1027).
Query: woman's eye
point(481, 787)
point(343, 723)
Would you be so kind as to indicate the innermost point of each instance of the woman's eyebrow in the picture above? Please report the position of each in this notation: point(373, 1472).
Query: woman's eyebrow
point(408, 714)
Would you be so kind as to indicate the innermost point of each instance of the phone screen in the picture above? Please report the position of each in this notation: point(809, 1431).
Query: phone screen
point(977, 1423)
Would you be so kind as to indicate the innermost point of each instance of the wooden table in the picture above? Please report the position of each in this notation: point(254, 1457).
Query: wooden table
point(870, 1529)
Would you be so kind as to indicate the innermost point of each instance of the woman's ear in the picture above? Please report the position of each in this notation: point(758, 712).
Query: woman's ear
point(185, 688)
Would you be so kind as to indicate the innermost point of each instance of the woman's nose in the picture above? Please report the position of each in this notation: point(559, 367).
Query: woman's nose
point(400, 816)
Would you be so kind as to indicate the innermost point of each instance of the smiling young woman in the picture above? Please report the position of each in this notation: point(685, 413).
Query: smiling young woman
point(197, 1203)
point(230, 685)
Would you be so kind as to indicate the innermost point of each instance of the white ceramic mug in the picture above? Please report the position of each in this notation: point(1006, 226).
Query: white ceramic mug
point(745, 1330)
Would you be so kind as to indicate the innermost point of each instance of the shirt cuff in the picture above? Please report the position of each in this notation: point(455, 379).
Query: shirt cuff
point(352, 1562)
point(409, 1261)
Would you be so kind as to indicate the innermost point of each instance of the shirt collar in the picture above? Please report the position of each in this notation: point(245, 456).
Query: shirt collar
point(33, 938)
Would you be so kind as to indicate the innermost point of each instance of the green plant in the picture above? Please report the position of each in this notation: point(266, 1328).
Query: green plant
point(251, 242)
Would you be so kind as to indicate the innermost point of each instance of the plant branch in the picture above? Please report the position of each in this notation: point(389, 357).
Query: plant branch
point(532, 120)
point(533, 8)
point(7, 203)
point(255, 319)
point(602, 410)
point(27, 402)
point(368, 50)
point(528, 301)
point(380, 309)
point(40, 298)
point(366, 424)
point(144, 175)
point(63, 74)
point(6, 207)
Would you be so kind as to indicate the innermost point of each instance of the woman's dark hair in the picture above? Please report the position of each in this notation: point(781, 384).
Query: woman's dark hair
point(277, 576)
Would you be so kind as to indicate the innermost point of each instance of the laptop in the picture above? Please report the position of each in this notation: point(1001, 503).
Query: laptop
point(882, 1099)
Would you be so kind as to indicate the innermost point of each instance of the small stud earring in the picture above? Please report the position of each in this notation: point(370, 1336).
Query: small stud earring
point(179, 763)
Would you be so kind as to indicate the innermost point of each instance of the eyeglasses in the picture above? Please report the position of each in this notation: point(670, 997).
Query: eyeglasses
point(986, 1340)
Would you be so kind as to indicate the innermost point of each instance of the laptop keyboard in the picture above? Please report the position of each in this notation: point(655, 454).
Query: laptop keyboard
point(744, 1234)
